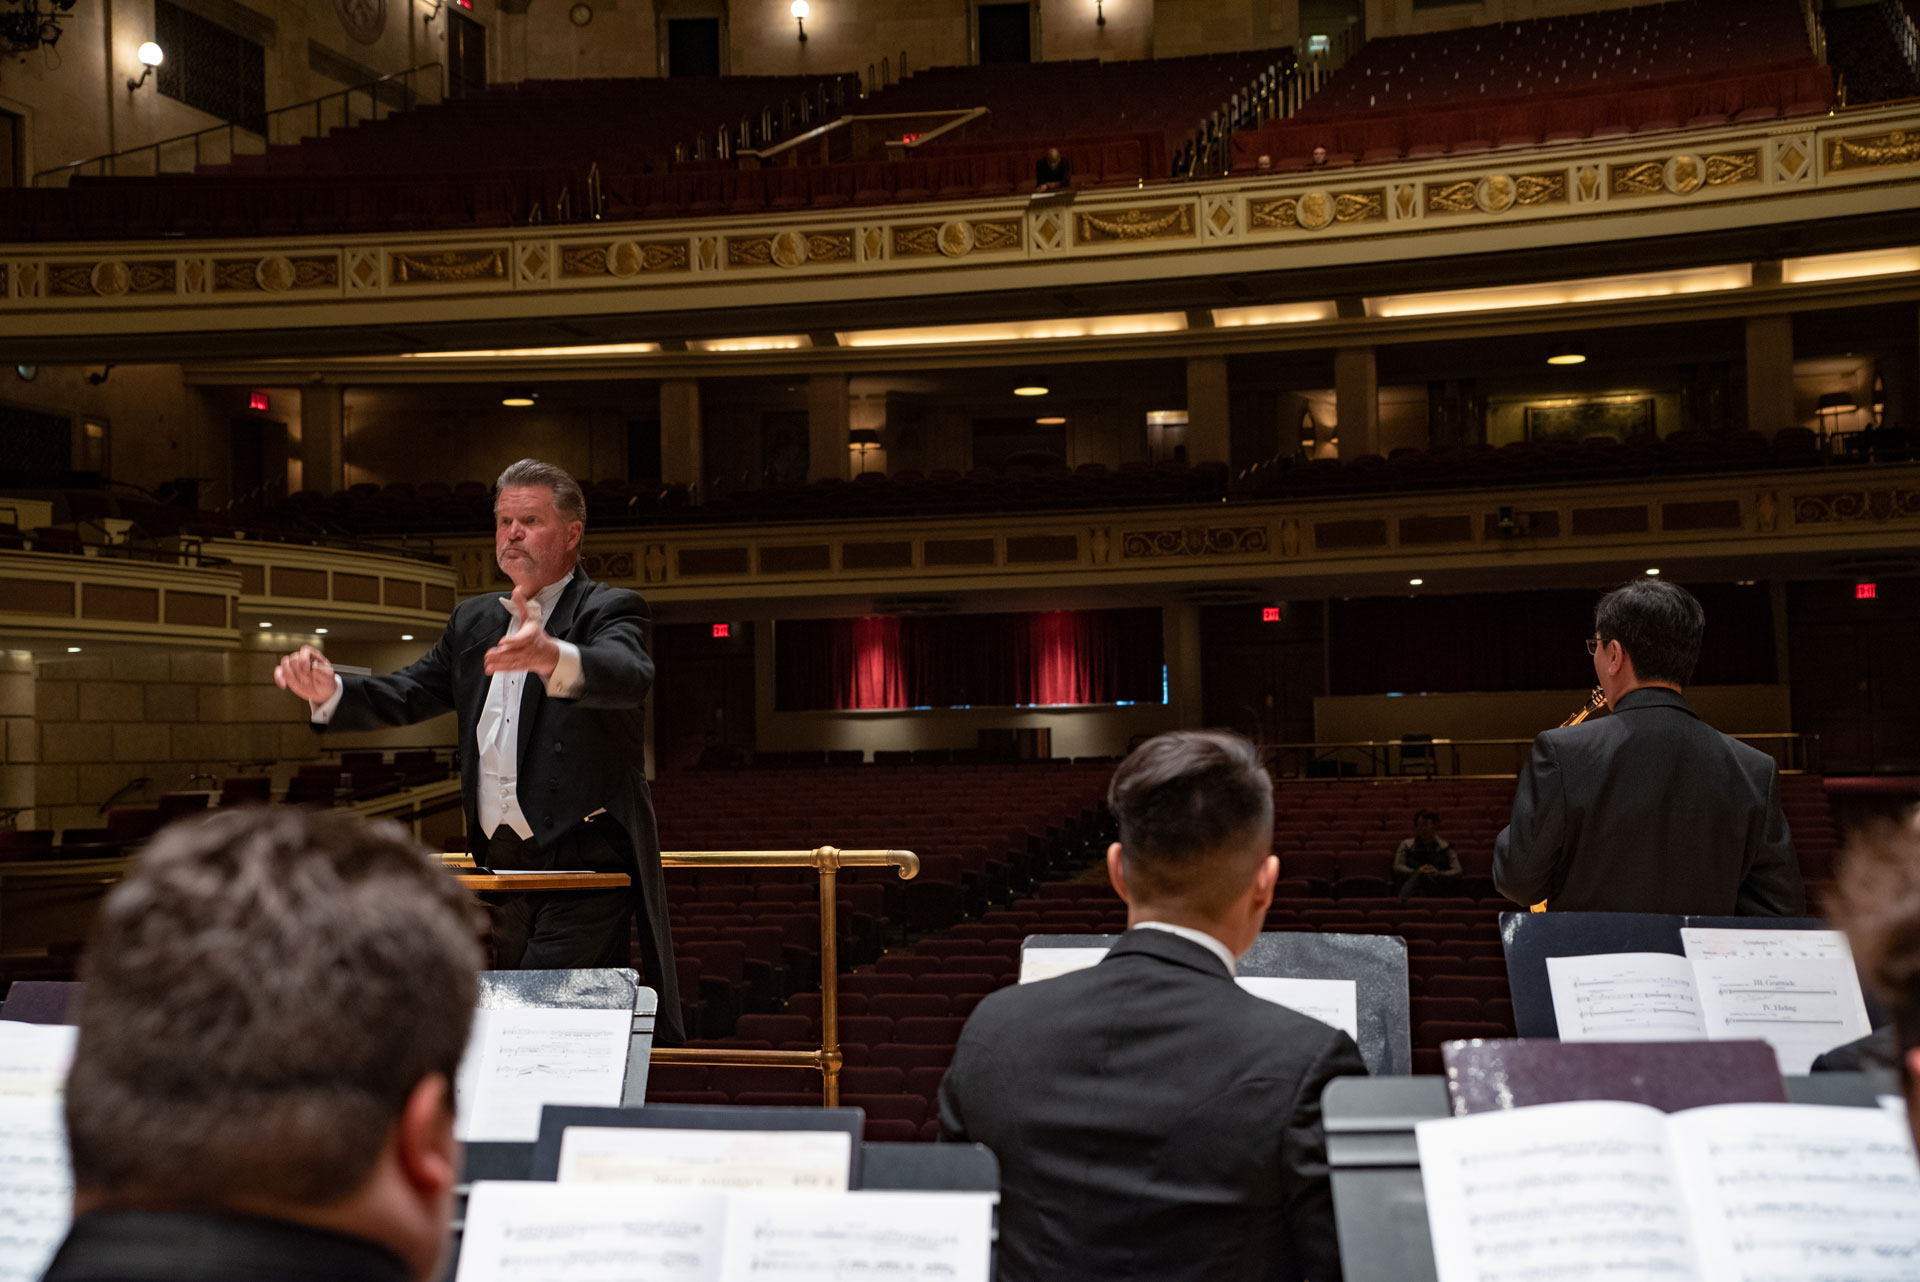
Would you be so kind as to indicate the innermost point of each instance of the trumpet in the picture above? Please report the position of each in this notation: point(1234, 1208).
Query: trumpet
point(1595, 701)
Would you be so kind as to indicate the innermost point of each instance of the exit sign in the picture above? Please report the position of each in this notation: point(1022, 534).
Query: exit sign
point(720, 630)
point(259, 401)
point(1269, 614)
point(1865, 591)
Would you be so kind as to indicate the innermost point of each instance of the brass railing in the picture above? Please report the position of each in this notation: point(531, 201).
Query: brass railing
point(828, 861)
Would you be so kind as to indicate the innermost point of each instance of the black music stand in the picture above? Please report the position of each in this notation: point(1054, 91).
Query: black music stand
point(1377, 965)
point(556, 1118)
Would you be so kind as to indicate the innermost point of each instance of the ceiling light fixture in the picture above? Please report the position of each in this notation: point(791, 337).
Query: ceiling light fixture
point(1414, 583)
point(1653, 571)
point(1273, 314)
point(1053, 421)
point(1566, 354)
point(265, 624)
point(73, 649)
point(406, 636)
point(520, 398)
point(1018, 331)
point(1033, 389)
point(319, 632)
point(1872, 262)
point(1562, 293)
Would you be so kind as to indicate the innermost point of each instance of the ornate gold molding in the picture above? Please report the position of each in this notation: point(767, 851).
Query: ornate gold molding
point(624, 258)
point(1317, 210)
point(273, 274)
point(1873, 151)
point(1856, 505)
point(1733, 168)
point(1161, 222)
point(955, 238)
point(1194, 540)
point(448, 267)
point(112, 277)
point(790, 248)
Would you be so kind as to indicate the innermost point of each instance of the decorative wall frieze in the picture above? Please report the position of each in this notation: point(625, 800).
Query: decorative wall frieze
point(1882, 504)
point(1181, 223)
point(1194, 540)
point(1873, 151)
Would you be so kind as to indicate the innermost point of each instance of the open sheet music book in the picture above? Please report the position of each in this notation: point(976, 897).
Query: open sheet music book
point(36, 1182)
point(1730, 1193)
point(537, 1232)
point(1335, 1002)
point(520, 1059)
point(1797, 990)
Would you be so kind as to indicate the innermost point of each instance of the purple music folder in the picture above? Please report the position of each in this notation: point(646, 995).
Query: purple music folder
point(1484, 1076)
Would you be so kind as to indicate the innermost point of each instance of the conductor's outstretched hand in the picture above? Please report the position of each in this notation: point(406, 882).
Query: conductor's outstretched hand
point(527, 648)
point(307, 673)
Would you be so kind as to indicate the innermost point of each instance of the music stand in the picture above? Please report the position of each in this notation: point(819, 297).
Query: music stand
point(556, 1118)
point(1376, 964)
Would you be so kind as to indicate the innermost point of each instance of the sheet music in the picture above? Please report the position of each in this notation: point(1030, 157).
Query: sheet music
point(1331, 1001)
point(1555, 1193)
point(36, 1186)
point(1795, 989)
point(519, 1059)
point(1791, 1192)
point(823, 1237)
point(538, 1232)
point(1625, 997)
point(34, 1059)
point(663, 1157)
point(1045, 963)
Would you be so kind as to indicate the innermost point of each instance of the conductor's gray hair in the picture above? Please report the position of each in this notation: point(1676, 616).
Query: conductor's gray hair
point(567, 498)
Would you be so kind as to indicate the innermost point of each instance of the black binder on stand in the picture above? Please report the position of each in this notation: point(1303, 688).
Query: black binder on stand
point(1375, 964)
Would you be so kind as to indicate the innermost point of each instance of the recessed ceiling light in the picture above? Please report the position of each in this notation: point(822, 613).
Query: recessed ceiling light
point(519, 397)
point(265, 624)
point(1566, 354)
point(1030, 391)
point(73, 649)
point(1414, 583)
point(1055, 421)
point(406, 636)
point(319, 632)
point(1654, 570)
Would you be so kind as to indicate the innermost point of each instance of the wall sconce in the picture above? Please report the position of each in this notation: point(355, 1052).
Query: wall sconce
point(800, 9)
point(1099, 13)
point(151, 56)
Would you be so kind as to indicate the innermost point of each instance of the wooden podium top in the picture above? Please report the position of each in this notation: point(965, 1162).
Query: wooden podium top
point(462, 867)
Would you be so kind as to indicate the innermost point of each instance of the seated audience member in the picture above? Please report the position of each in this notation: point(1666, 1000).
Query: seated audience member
point(1319, 156)
point(1153, 1119)
point(1880, 908)
point(1648, 809)
point(1264, 164)
point(276, 1002)
point(1052, 172)
point(1425, 864)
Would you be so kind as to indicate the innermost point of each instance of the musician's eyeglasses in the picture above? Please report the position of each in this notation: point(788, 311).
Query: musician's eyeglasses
point(1593, 645)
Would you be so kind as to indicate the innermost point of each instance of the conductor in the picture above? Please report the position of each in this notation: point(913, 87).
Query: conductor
point(550, 686)
point(1649, 810)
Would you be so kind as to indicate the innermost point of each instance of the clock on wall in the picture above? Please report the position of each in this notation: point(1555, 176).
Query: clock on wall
point(581, 14)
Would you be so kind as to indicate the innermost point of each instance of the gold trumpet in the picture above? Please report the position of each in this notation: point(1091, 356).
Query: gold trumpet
point(1595, 701)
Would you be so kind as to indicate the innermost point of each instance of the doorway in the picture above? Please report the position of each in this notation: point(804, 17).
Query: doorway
point(693, 46)
point(466, 57)
point(1006, 33)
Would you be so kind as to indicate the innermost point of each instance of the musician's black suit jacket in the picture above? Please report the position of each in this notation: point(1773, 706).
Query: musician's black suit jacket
point(1153, 1120)
point(200, 1246)
point(577, 755)
point(1649, 810)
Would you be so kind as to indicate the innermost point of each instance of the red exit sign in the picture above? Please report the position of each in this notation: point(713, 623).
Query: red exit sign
point(1269, 614)
point(1865, 591)
point(259, 401)
point(721, 630)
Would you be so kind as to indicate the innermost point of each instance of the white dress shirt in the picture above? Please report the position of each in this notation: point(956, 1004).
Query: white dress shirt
point(1199, 937)
point(497, 737)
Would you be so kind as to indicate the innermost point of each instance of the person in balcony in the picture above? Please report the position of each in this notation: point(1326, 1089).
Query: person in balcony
point(1052, 172)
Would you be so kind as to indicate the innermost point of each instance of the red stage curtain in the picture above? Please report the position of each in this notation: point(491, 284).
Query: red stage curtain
point(969, 660)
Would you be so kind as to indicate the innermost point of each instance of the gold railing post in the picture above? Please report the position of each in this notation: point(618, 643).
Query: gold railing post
point(828, 861)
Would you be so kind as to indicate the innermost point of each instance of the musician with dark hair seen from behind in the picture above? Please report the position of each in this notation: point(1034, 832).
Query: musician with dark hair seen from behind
point(1880, 908)
point(1154, 1120)
point(1648, 809)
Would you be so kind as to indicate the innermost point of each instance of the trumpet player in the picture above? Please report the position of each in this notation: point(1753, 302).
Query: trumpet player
point(1648, 809)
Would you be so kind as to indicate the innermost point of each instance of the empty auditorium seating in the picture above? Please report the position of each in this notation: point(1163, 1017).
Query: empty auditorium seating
point(898, 1042)
point(1552, 80)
